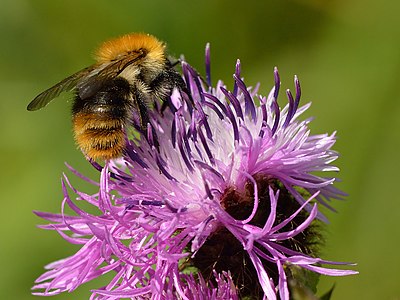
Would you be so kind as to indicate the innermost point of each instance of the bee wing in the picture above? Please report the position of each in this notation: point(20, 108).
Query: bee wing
point(88, 86)
point(64, 85)
point(88, 81)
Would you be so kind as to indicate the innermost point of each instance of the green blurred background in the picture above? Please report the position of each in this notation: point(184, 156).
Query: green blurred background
point(345, 52)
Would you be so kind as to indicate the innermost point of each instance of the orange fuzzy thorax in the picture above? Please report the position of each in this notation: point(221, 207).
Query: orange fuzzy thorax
point(119, 47)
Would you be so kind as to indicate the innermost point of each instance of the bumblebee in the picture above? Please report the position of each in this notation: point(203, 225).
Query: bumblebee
point(130, 73)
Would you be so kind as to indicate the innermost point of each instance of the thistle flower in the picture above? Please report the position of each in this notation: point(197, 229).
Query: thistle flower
point(219, 201)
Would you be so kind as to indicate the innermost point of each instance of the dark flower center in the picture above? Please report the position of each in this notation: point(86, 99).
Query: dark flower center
point(223, 252)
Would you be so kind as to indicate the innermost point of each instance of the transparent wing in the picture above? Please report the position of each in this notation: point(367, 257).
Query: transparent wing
point(88, 86)
point(88, 81)
point(65, 85)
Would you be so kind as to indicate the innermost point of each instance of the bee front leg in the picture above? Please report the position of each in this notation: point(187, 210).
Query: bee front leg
point(163, 85)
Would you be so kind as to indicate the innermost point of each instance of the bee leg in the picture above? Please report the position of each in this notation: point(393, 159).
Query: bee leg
point(182, 87)
point(174, 62)
point(145, 120)
point(166, 81)
point(164, 106)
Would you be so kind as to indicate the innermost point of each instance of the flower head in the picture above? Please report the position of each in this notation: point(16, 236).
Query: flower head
point(217, 201)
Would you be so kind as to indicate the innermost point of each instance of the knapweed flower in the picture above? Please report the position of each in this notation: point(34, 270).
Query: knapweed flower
point(216, 201)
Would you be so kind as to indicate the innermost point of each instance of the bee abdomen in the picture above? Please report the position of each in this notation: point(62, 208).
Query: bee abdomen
point(99, 136)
